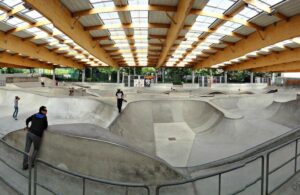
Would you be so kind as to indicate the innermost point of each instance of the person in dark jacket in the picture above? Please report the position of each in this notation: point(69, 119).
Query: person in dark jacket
point(39, 124)
point(120, 99)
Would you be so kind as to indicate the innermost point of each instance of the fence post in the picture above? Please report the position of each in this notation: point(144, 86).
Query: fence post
point(35, 179)
point(29, 173)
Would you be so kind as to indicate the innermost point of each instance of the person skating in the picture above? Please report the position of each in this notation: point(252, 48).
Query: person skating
point(120, 99)
point(39, 124)
point(16, 107)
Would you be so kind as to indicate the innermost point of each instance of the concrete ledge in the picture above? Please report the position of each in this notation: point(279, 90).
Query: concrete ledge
point(162, 85)
point(190, 86)
point(239, 86)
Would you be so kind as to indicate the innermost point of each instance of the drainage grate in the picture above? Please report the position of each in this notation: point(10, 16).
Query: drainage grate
point(172, 139)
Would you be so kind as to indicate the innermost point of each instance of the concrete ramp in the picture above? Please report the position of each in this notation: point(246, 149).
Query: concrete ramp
point(159, 126)
point(61, 110)
point(98, 158)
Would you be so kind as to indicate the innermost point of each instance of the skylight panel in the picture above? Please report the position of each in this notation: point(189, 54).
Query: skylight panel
point(102, 3)
point(110, 18)
point(138, 2)
point(271, 3)
point(248, 13)
point(139, 17)
point(117, 33)
point(16, 22)
point(213, 38)
point(228, 27)
point(218, 6)
point(37, 31)
point(34, 15)
point(11, 3)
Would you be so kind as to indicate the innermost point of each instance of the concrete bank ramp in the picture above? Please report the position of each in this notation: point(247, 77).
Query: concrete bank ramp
point(162, 126)
point(61, 110)
point(196, 131)
point(287, 113)
point(245, 102)
point(97, 158)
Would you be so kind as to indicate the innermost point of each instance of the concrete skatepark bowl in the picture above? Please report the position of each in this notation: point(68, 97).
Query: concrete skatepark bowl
point(152, 142)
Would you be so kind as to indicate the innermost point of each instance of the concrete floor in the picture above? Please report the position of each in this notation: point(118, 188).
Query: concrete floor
point(179, 129)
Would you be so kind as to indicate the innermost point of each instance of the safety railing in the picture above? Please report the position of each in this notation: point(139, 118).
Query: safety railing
point(263, 173)
point(21, 173)
point(125, 186)
point(218, 188)
point(288, 167)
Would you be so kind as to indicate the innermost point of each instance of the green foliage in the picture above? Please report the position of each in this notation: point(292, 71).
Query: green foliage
point(148, 71)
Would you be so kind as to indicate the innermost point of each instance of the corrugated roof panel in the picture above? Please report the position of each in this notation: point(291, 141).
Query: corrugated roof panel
point(106, 42)
point(244, 30)
point(99, 33)
point(182, 32)
point(4, 27)
point(293, 45)
point(218, 45)
point(158, 31)
point(120, 2)
point(154, 41)
point(90, 20)
point(289, 8)
point(125, 17)
point(230, 39)
point(129, 31)
point(164, 2)
point(159, 17)
point(77, 5)
point(264, 20)
point(199, 4)
point(22, 34)
point(190, 19)
point(39, 41)
point(278, 49)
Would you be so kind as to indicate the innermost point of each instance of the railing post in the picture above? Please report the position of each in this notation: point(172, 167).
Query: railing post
point(35, 179)
point(296, 154)
point(262, 174)
point(267, 175)
point(29, 173)
point(220, 184)
point(83, 186)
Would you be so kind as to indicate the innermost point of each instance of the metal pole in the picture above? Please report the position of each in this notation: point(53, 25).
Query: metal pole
point(53, 74)
point(83, 75)
point(193, 77)
point(128, 80)
point(118, 76)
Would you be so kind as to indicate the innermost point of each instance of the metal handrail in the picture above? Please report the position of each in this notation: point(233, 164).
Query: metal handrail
point(85, 177)
point(17, 171)
point(294, 158)
point(220, 174)
point(265, 172)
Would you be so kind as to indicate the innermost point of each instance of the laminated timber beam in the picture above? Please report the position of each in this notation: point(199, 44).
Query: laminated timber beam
point(269, 60)
point(63, 20)
point(284, 67)
point(183, 9)
point(272, 34)
point(162, 8)
point(28, 48)
point(17, 60)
